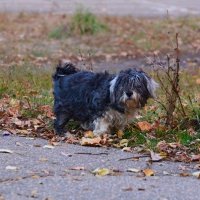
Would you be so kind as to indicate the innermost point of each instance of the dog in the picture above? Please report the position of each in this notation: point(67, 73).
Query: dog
point(101, 102)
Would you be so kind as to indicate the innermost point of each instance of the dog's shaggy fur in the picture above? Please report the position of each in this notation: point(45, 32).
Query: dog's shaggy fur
point(99, 101)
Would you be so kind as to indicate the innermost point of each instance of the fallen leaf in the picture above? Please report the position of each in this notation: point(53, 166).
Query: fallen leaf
point(88, 134)
point(48, 147)
point(90, 141)
point(78, 168)
point(35, 176)
point(184, 174)
point(123, 143)
point(134, 170)
point(101, 171)
point(197, 166)
point(9, 167)
point(155, 157)
point(127, 189)
point(128, 149)
point(34, 194)
point(148, 172)
point(6, 151)
point(196, 174)
point(198, 81)
point(65, 154)
point(18, 144)
point(144, 126)
point(166, 173)
point(43, 159)
point(196, 157)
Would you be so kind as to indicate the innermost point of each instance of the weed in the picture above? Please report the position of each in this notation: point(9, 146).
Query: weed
point(85, 22)
point(59, 32)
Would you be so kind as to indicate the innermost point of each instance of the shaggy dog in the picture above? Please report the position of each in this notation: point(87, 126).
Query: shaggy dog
point(99, 101)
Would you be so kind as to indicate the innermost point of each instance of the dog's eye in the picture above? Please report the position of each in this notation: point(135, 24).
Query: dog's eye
point(129, 94)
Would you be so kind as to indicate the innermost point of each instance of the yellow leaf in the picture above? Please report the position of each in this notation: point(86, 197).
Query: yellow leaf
point(123, 143)
point(148, 172)
point(101, 171)
point(144, 126)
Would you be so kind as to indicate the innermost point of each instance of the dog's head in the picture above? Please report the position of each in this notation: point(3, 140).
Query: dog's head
point(132, 88)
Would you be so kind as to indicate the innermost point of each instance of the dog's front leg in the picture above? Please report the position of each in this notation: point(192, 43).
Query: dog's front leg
point(60, 122)
point(101, 126)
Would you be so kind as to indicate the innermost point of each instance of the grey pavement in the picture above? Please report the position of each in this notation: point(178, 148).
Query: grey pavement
point(137, 8)
point(34, 172)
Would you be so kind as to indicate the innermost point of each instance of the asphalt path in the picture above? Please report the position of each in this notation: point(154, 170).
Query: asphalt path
point(31, 171)
point(137, 8)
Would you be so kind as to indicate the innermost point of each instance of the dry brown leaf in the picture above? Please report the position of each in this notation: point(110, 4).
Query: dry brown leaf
point(144, 126)
point(198, 81)
point(88, 134)
point(196, 157)
point(148, 172)
point(184, 174)
point(127, 189)
point(35, 176)
point(43, 159)
point(90, 141)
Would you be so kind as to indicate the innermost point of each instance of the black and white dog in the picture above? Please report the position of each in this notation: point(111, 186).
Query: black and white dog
point(99, 101)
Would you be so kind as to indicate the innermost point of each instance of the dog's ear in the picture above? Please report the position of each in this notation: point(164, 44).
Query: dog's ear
point(152, 85)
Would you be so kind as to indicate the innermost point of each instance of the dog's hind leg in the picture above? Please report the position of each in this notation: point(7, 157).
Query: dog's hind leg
point(60, 122)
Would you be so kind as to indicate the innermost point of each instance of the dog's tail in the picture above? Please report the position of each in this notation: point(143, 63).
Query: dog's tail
point(64, 69)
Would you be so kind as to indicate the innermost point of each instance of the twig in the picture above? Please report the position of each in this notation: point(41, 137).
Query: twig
point(93, 154)
point(135, 157)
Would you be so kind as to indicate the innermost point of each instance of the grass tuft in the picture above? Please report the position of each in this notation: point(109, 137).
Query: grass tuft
point(83, 22)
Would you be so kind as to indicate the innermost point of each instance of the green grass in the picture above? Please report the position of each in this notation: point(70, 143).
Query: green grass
point(59, 32)
point(83, 22)
point(29, 84)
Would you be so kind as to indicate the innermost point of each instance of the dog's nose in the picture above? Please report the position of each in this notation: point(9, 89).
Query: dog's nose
point(129, 93)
